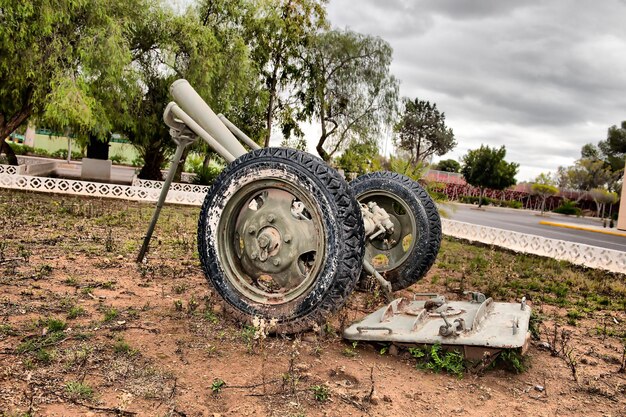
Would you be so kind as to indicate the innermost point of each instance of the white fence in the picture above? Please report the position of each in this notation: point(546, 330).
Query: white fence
point(188, 194)
point(576, 253)
point(176, 186)
point(95, 189)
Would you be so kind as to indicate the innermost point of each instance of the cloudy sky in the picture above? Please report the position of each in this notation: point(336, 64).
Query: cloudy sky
point(540, 77)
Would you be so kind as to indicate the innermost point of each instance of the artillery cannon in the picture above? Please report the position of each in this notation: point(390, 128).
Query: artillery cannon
point(282, 236)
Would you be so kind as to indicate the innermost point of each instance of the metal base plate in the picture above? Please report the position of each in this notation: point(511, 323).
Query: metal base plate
point(476, 323)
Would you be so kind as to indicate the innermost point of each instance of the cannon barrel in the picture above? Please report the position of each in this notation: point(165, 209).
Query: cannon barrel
point(192, 104)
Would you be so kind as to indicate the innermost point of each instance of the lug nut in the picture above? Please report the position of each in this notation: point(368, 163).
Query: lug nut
point(287, 238)
point(251, 230)
point(271, 218)
point(276, 261)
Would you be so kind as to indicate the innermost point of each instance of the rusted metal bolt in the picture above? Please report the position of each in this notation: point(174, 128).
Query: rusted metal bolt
point(276, 261)
point(287, 238)
point(263, 241)
point(253, 255)
point(251, 230)
point(271, 218)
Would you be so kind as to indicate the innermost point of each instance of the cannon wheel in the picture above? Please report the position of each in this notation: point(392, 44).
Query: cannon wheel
point(281, 237)
point(406, 256)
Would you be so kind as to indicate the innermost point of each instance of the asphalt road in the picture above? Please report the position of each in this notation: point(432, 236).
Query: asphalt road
point(525, 221)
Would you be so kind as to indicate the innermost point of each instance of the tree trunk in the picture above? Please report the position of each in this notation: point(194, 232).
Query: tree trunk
point(8, 151)
point(480, 197)
point(97, 149)
point(153, 159)
point(543, 205)
point(269, 116)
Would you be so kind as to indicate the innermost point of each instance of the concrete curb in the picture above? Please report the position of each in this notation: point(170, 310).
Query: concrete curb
point(587, 229)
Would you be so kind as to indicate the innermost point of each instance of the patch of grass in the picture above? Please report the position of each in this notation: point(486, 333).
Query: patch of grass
point(75, 312)
point(122, 347)
point(321, 393)
point(7, 330)
point(507, 276)
point(45, 356)
point(211, 317)
point(78, 390)
point(53, 325)
point(37, 343)
point(110, 314)
point(573, 316)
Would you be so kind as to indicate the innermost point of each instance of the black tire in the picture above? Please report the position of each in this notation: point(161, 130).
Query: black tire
point(423, 249)
point(330, 201)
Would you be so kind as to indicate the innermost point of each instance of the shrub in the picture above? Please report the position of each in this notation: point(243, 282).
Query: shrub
point(469, 199)
point(117, 159)
point(568, 207)
point(206, 175)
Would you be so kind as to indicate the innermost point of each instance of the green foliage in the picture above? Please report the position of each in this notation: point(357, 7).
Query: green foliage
point(422, 131)
point(205, 175)
point(51, 62)
point(122, 347)
point(321, 393)
point(110, 314)
point(277, 32)
point(349, 88)
point(78, 390)
point(217, 385)
point(438, 360)
point(360, 158)
point(511, 359)
point(53, 325)
point(568, 207)
point(75, 312)
point(406, 167)
point(62, 153)
point(448, 165)
point(486, 168)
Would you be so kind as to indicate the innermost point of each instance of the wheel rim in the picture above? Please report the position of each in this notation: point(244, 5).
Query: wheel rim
point(271, 241)
point(387, 252)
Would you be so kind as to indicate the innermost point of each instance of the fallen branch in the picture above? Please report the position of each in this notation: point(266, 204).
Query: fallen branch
point(117, 411)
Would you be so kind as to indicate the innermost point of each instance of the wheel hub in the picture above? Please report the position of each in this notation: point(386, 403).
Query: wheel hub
point(278, 243)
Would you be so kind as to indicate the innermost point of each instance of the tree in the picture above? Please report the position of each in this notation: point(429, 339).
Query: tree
point(205, 47)
point(51, 62)
point(349, 88)
point(360, 158)
point(584, 175)
point(602, 197)
point(448, 165)
point(486, 168)
point(544, 187)
point(422, 131)
point(278, 33)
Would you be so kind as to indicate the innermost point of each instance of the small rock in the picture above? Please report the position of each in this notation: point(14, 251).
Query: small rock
point(393, 350)
point(539, 388)
point(387, 399)
point(120, 256)
point(544, 345)
point(121, 323)
point(374, 399)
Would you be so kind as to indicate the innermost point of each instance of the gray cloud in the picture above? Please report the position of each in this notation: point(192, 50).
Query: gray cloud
point(542, 78)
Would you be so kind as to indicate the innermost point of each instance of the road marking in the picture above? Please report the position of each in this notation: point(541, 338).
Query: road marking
point(587, 229)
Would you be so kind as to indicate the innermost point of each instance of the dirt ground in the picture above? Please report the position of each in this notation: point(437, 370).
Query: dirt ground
point(84, 330)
